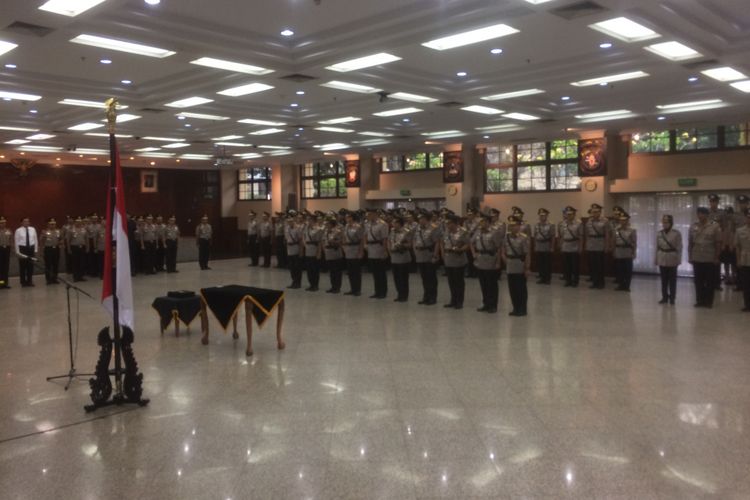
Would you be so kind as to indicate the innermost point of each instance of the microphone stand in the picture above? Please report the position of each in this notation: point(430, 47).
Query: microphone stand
point(72, 370)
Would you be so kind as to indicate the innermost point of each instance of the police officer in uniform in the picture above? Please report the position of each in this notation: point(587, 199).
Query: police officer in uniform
point(597, 241)
point(544, 244)
point(313, 236)
point(704, 246)
point(148, 245)
point(92, 260)
point(51, 242)
point(203, 235)
point(486, 247)
point(171, 239)
point(742, 247)
point(293, 240)
point(353, 242)
point(67, 227)
point(376, 238)
point(425, 241)
point(252, 238)
point(160, 244)
point(78, 244)
point(517, 212)
point(739, 221)
point(26, 244)
point(717, 215)
point(625, 245)
point(265, 235)
point(453, 250)
point(140, 255)
point(668, 258)
point(100, 244)
point(278, 235)
point(516, 253)
point(471, 224)
point(334, 255)
point(6, 242)
point(570, 232)
point(399, 247)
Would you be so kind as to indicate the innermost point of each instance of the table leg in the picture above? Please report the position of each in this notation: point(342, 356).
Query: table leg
point(249, 327)
point(176, 326)
point(279, 324)
point(235, 335)
point(204, 323)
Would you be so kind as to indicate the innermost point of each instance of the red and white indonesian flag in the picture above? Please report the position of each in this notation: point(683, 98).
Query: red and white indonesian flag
point(117, 220)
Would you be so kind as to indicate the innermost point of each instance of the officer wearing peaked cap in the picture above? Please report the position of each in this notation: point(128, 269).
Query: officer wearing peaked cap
point(704, 247)
point(78, 244)
point(334, 255)
point(51, 241)
point(376, 239)
point(453, 250)
point(312, 251)
point(425, 241)
point(293, 238)
point(265, 235)
point(625, 248)
point(353, 244)
point(598, 240)
point(742, 244)
point(718, 216)
point(570, 233)
point(204, 234)
point(740, 215)
point(171, 240)
point(6, 242)
point(516, 253)
point(486, 247)
point(668, 257)
point(278, 222)
point(543, 241)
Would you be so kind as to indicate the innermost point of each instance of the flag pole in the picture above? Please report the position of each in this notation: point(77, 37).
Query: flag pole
point(111, 105)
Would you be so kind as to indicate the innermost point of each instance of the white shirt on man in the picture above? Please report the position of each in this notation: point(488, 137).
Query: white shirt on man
point(22, 240)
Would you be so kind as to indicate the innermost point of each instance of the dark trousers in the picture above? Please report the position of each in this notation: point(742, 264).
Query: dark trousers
point(281, 258)
point(380, 280)
point(354, 272)
point(401, 280)
point(51, 263)
point(312, 266)
point(26, 266)
point(69, 260)
point(336, 272)
point(204, 251)
point(705, 282)
point(100, 263)
point(91, 261)
point(252, 245)
point(295, 269)
point(490, 288)
point(544, 266)
point(170, 255)
point(265, 250)
point(160, 257)
point(596, 268)
point(78, 255)
point(4, 266)
point(428, 273)
point(457, 284)
point(519, 294)
point(149, 257)
point(471, 270)
point(668, 282)
point(624, 272)
point(134, 263)
point(744, 274)
point(571, 268)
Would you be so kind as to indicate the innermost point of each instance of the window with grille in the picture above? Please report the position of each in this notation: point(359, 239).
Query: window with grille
point(254, 183)
point(323, 180)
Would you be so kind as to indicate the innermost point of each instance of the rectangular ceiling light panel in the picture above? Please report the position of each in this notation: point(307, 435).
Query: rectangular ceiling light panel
point(249, 69)
point(122, 46)
point(70, 8)
point(470, 37)
point(364, 62)
point(625, 30)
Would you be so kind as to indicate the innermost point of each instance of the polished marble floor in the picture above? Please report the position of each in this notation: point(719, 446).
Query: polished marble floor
point(596, 394)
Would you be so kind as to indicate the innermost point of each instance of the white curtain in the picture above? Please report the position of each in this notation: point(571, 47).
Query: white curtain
point(646, 211)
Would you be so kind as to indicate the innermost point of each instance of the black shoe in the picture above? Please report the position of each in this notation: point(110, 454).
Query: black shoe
point(719, 289)
point(458, 306)
point(574, 285)
point(671, 302)
point(491, 310)
point(594, 287)
point(513, 313)
point(567, 284)
point(356, 294)
point(311, 289)
point(449, 306)
point(330, 290)
point(746, 309)
point(348, 293)
point(482, 309)
point(374, 296)
point(422, 302)
point(380, 296)
point(663, 301)
point(400, 300)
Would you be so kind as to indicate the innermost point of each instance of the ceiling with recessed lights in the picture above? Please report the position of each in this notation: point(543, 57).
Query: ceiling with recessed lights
point(282, 80)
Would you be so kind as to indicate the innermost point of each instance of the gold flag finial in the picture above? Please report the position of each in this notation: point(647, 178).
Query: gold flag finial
point(111, 105)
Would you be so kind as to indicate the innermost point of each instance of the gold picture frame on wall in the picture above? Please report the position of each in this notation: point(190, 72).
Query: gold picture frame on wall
point(149, 181)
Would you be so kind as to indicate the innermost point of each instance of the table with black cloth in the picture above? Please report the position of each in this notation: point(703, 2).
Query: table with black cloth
point(176, 309)
point(225, 302)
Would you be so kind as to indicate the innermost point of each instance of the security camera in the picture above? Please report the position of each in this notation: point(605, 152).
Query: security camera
point(383, 97)
point(137, 137)
point(72, 147)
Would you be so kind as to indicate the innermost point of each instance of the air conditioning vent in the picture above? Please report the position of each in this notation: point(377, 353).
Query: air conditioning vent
point(701, 64)
point(451, 104)
point(579, 9)
point(546, 120)
point(152, 110)
point(402, 137)
point(298, 77)
point(23, 28)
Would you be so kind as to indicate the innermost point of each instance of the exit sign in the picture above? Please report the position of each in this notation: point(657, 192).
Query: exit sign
point(406, 192)
point(687, 182)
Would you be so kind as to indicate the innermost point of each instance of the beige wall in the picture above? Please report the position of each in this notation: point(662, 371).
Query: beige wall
point(411, 180)
point(325, 205)
point(649, 166)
